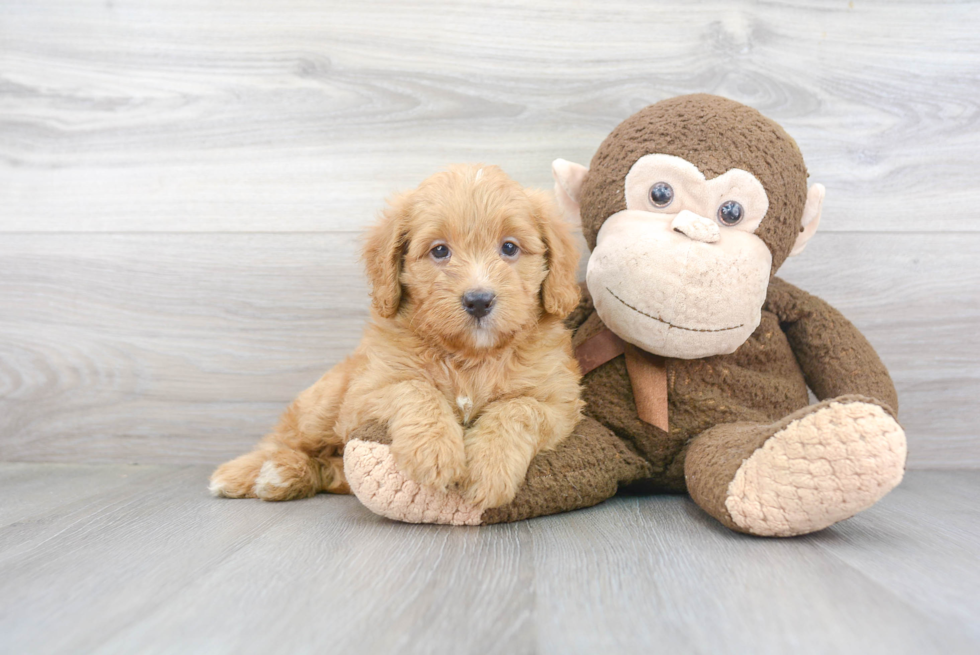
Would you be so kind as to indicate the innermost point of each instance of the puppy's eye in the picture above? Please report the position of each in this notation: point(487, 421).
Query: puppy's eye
point(440, 252)
point(509, 249)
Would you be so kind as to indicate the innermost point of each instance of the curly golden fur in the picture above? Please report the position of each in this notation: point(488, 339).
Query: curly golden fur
point(468, 399)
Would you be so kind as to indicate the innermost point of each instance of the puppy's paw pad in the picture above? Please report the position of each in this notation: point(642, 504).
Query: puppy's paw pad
point(381, 487)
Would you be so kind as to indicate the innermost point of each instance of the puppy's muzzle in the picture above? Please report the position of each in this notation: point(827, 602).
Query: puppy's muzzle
point(478, 303)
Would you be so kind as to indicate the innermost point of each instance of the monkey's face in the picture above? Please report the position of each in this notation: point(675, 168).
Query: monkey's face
point(681, 272)
point(690, 206)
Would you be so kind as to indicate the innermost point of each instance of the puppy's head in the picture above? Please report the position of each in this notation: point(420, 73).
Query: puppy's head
point(471, 259)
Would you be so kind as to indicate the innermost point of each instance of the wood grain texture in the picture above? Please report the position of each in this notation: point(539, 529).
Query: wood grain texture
point(185, 348)
point(181, 184)
point(28, 494)
point(302, 115)
point(946, 516)
point(166, 347)
point(156, 565)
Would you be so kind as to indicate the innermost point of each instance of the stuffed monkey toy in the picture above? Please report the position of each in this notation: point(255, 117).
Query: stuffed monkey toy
point(696, 359)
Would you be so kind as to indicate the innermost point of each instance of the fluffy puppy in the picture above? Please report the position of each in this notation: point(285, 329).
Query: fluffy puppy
point(466, 359)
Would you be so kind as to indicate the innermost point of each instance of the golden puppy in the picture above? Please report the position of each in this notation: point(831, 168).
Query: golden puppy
point(465, 360)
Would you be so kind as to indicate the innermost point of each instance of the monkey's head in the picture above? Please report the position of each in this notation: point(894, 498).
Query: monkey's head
point(689, 206)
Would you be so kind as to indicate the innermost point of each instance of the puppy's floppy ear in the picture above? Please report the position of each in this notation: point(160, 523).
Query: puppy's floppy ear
point(560, 292)
point(383, 254)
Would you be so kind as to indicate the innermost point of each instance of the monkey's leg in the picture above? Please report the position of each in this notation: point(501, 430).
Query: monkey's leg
point(818, 466)
point(582, 471)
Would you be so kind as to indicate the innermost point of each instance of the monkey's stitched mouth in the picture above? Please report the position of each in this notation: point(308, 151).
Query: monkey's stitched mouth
point(660, 320)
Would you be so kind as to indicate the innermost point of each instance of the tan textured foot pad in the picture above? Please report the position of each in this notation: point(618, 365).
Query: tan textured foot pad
point(372, 476)
point(818, 470)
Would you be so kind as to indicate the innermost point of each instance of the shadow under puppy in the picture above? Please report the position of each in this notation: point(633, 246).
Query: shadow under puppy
point(466, 359)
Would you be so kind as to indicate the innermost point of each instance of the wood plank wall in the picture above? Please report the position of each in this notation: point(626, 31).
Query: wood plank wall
point(182, 184)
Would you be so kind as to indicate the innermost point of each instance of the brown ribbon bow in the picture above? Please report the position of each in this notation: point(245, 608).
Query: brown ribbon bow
point(648, 373)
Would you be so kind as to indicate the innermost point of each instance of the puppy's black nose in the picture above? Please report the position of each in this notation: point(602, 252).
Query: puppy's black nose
point(478, 303)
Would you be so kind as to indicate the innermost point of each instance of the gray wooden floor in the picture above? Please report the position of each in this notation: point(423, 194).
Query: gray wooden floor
point(127, 559)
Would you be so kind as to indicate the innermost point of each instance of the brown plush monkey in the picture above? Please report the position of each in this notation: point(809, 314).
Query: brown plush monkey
point(696, 359)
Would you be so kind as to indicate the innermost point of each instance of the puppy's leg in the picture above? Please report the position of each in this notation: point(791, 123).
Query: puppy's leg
point(504, 440)
point(426, 438)
point(273, 472)
point(302, 456)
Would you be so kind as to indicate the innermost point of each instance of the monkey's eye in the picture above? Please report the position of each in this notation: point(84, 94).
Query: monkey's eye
point(509, 249)
point(730, 213)
point(661, 194)
point(440, 252)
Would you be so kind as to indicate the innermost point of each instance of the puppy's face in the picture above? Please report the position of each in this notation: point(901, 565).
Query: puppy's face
point(471, 259)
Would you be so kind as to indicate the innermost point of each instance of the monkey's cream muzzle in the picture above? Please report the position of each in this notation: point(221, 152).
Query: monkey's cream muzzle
point(678, 285)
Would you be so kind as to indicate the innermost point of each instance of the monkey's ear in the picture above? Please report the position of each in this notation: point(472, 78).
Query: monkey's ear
point(560, 292)
point(383, 254)
point(811, 217)
point(568, 185)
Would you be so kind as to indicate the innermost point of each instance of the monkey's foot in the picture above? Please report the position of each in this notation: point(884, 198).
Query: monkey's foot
point(822, 465)
point(583, 470)
point(383, 489)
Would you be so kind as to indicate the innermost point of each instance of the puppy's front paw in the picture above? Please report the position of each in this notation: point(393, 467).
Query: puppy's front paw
point(492, 478)
point(434, 459)
point(489, 492)
point(383, 489)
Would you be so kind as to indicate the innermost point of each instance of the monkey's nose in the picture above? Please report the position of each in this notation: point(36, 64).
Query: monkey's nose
point(478, 303)
point(696, 227)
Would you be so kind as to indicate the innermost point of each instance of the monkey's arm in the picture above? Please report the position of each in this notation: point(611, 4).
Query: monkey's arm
point(836, 358)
